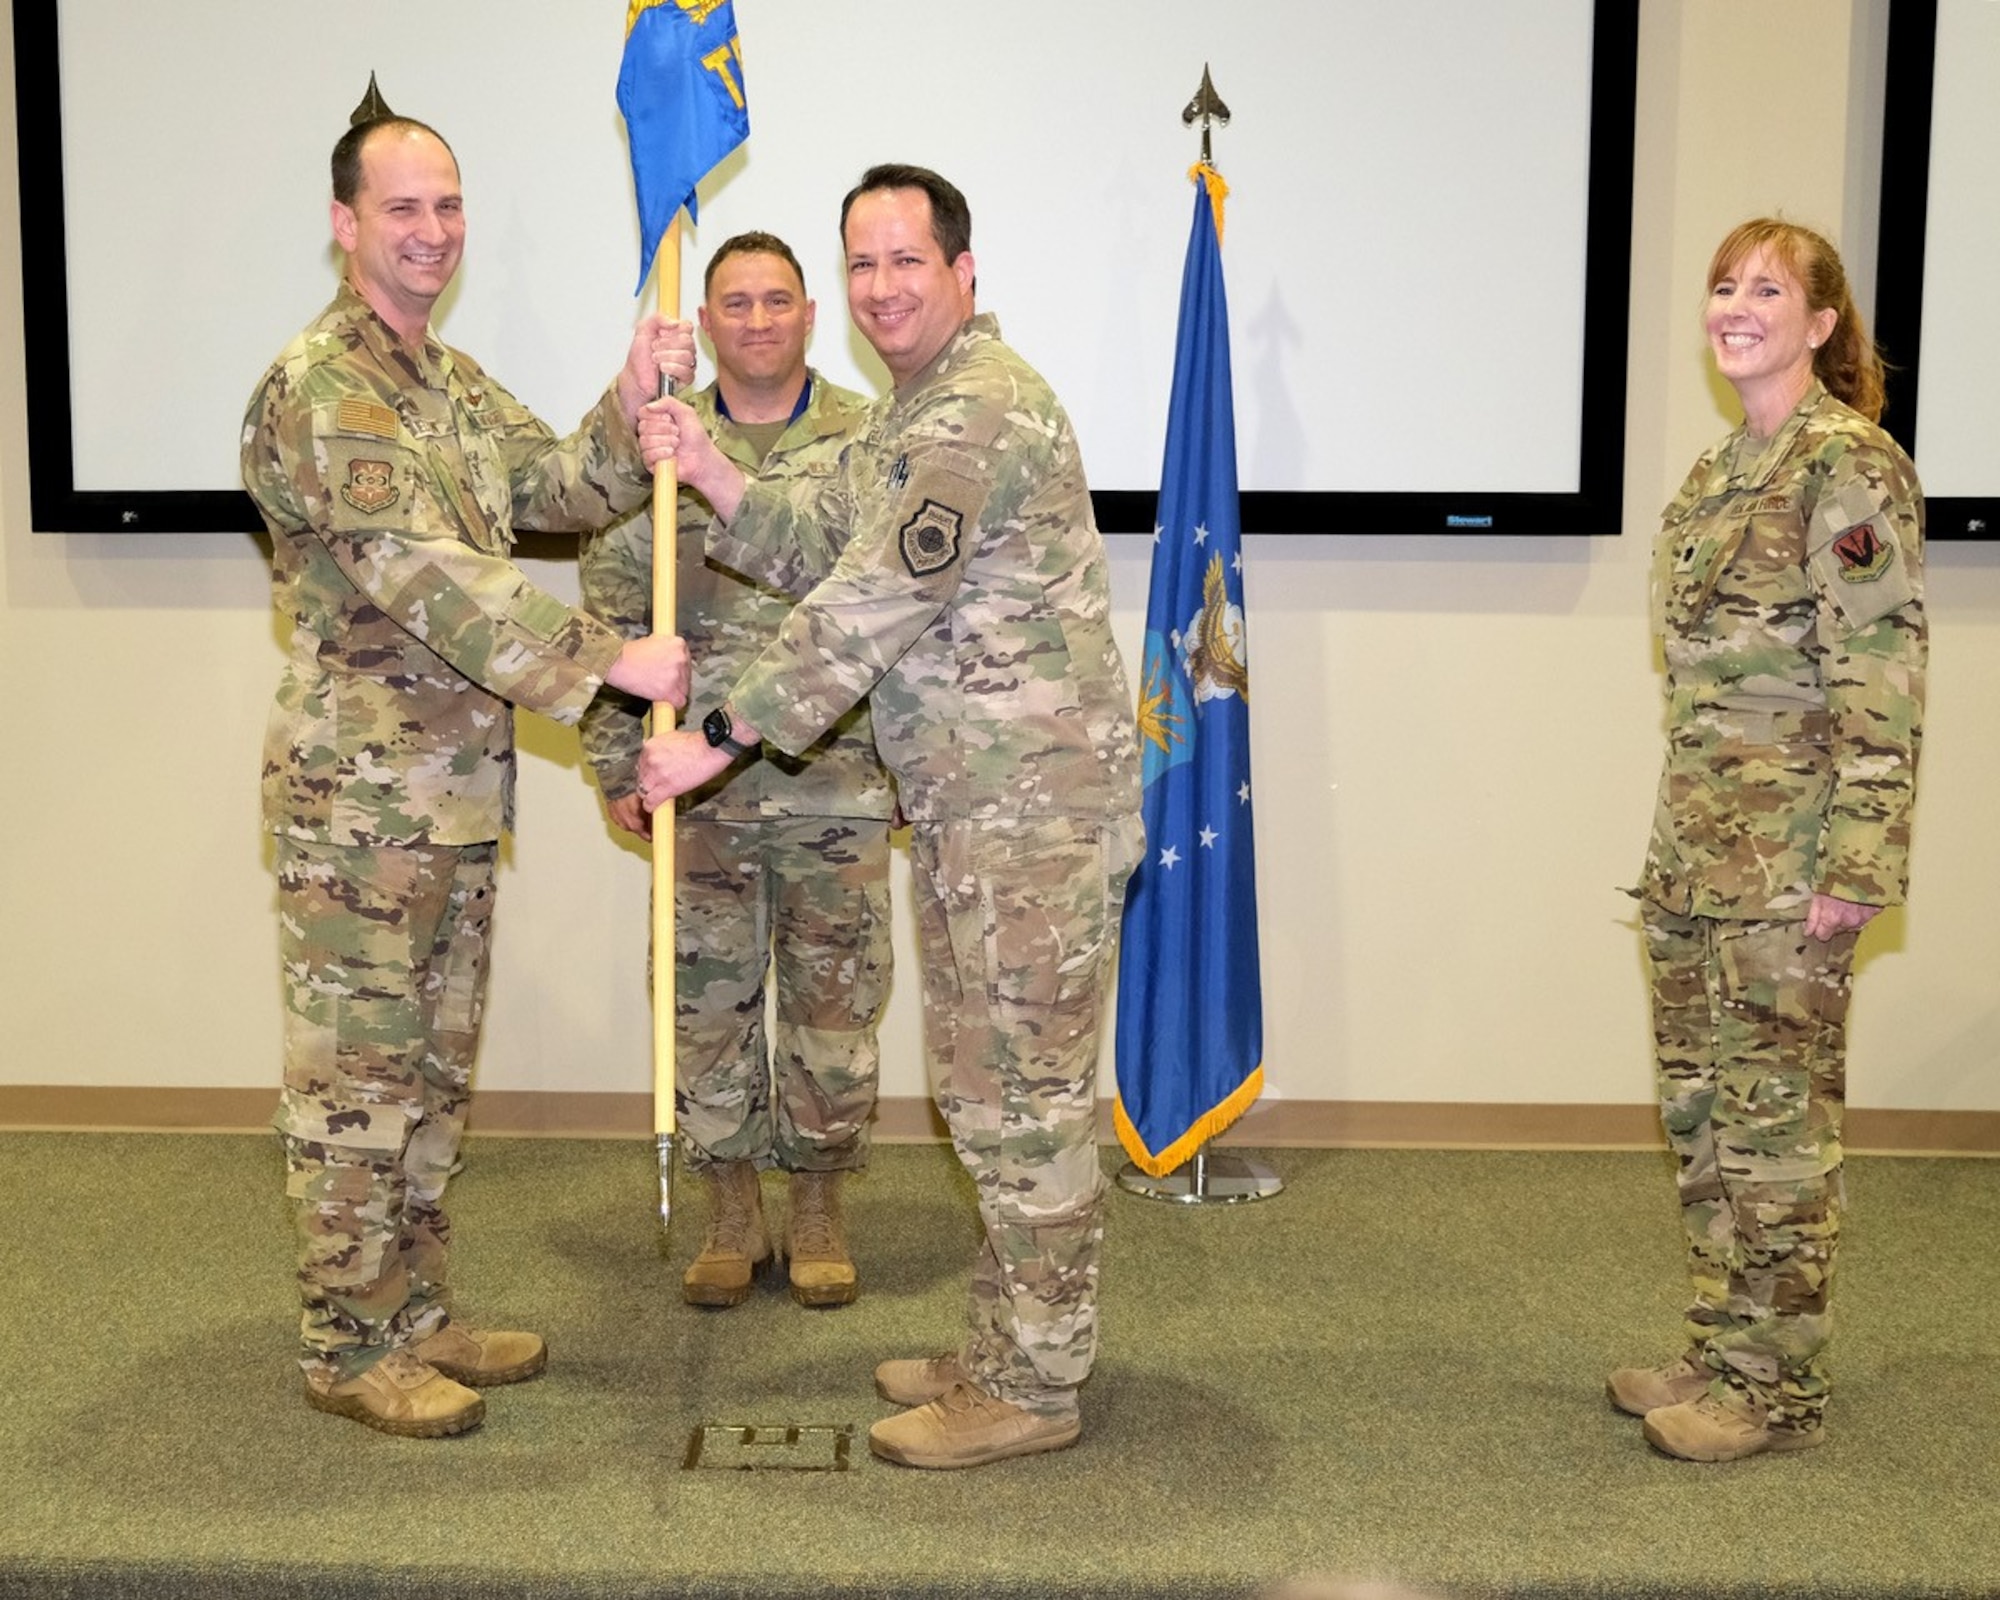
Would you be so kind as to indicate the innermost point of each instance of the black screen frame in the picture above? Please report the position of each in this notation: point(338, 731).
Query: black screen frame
point(57, 505)
point(1909, 88)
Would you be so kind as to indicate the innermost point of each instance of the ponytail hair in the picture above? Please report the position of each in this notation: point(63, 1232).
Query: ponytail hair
point(1847, 363)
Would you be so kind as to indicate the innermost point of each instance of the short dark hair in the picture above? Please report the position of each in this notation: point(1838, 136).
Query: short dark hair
point(348, 147)
point(951, 217)
point(754, 243)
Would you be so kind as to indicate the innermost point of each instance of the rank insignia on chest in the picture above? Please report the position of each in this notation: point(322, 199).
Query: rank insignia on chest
point(930, 539)
point(369, 485)
point(1864, 554)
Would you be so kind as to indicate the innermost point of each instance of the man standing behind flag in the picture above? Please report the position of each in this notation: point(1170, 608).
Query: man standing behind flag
point(779, 865)
point(1190, 1013)
point(953, 571)
point(392, 473)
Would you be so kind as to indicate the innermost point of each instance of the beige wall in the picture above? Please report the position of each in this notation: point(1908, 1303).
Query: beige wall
point(1455, 739)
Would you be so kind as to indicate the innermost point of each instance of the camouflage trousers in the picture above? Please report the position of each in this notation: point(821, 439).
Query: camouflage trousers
point(384, 955)
point(1750, 1025)
point(1017, 922)
point(806, 901)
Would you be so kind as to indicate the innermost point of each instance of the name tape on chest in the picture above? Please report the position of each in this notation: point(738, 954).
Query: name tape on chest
point(1773, 504)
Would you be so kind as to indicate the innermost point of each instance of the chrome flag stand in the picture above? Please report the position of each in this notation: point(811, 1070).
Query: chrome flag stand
point(1206, 1180)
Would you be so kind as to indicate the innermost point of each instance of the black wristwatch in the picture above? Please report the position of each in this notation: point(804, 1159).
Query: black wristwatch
point(719, 729)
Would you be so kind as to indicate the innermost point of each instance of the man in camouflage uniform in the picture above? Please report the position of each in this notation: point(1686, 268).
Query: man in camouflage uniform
point(780, 864)
point(391, 473)
point(1787, 593)
point(953, 572)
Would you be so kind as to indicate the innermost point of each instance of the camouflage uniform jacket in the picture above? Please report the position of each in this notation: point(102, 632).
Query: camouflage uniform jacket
point(1788, 595)
point(727, 619)
point(392, 480)
point(964, 588)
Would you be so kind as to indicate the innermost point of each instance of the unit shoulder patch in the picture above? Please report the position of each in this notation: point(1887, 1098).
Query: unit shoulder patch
point(1864, 554)
point(370, 485)
point(930, 539)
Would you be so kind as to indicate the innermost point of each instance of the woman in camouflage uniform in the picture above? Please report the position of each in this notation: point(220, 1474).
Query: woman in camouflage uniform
point(1787, 595)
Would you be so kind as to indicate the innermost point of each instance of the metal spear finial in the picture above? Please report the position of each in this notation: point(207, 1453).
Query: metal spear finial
point(1206, 105)
point(373, 107)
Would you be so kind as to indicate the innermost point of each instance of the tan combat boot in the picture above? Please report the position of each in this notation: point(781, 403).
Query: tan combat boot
point(918, 1382)
point(966, 1427)
point(822, 1271)
point(1641, 1389)
point(1708, 1429)
point(738, 1243)
point(400, 1395)
point(482, 1357)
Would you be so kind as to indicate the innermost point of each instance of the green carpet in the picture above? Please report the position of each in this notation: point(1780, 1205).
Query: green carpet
point(1395, 1368)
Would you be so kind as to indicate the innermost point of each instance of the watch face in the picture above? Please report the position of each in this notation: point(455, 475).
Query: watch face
point(715, 727)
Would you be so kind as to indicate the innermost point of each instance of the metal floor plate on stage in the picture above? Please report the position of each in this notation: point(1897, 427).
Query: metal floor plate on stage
point(770, 1446)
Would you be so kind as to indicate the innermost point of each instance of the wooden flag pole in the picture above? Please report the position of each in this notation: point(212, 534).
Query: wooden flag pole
point(666, 611)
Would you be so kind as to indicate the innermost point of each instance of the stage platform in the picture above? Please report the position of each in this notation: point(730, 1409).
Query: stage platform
point(1393, 1370)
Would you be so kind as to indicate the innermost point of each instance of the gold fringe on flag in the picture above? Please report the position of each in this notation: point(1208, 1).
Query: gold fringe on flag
point(1218, 191)
point(1206, 1127)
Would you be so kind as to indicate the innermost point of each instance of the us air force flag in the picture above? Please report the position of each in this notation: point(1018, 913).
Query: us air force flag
point(1190, 1003)
point(680, 86)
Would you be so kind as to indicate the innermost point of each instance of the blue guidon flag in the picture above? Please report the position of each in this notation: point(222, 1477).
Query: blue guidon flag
point(1190, 1001)
point(680, 87)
